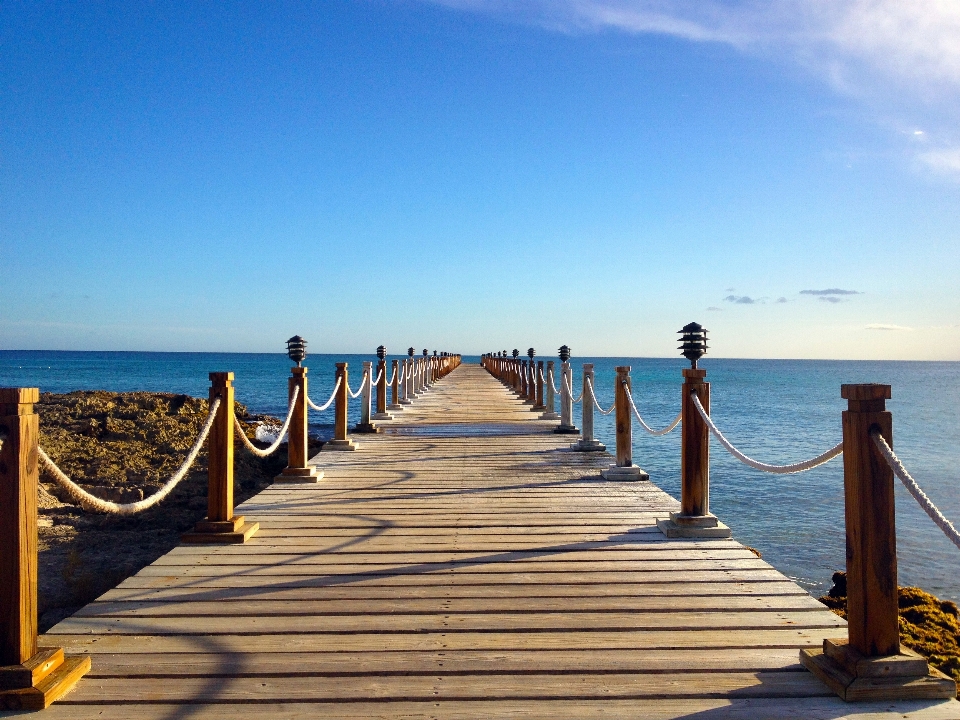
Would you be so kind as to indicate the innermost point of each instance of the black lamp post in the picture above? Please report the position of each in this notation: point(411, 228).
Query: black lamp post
point(693, 343)
point(564, 353)
point(515, 353)
point(410, 351)
point(531, 352)
point(297, 349)
point(381, 352)
point(425, 352)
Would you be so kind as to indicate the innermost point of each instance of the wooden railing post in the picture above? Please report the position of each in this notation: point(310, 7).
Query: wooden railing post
point(340, 440)
point(523, 380)
point(566, 425)
point(30, 677)
point(366, 425)
point(538, 404)
point(624, 469)
point(382, 413)
point(395, 386)
point(221, 525)
point(298, 466)
point(694, 519)
point(549, 413)
point(407, 382)
point(587, 442)
point(870, 664)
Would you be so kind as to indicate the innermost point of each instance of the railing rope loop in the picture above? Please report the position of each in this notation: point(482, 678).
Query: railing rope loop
point(658, 433)
point(283, 430)
point(328, 403)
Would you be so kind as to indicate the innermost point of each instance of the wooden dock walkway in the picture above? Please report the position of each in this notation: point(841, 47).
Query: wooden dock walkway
point(462, 564)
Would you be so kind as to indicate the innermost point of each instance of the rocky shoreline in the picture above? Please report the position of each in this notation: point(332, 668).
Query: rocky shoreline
point(122, 447)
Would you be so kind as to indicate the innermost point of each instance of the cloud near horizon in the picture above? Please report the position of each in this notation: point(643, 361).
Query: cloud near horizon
point(883, 326)
point(831, 291)
point(742, 299)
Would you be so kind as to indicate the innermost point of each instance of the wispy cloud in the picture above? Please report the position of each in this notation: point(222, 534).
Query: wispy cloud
point(830, 299)
point(742, 299)
point(883, 326)
point(943, 162)
point(714, 308)
point(781, 300)
point(830, 291)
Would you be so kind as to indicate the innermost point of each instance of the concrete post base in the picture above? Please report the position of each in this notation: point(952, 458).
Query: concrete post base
point(549, 416)
point(381, 416)
point(631, 473)
point(367, 428)
point(693, 526)
point(538, 408)
point(567, 430)
point(395, 406)
point(332, 445)
point(311, 474)
point(405, 401)
point(853, 676)
point(588, 446)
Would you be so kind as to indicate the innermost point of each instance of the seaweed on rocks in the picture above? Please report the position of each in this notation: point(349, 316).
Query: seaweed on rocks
point(123, 447)
point(928, 625)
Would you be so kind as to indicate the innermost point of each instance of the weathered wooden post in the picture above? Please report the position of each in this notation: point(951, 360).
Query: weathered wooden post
point(587, 442)
point(298, 468)
point(395, 386)
point(870, 664)
point(425, 371)
point(624, 469)
point(694, 519)
point(516, 377)
point(566, 425)
point(412, 389)
point(539, 406)
point(340, 440)
point(366, 396)
point(406, 386)
point(31, 678)
point(531, 378)
point(221, 525)
point(382, 413)
point(549, 413)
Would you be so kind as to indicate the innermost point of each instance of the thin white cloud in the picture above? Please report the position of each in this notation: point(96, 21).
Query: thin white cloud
point(883, 326)
point(943, 162)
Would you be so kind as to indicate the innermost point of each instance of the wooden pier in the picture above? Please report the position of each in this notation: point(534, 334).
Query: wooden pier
point(464, 563)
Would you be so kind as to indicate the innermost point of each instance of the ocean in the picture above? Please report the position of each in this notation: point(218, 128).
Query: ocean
point(777, 411)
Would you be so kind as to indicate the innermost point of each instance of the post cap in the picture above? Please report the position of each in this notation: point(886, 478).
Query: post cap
point(865, 391)
point(19, 396)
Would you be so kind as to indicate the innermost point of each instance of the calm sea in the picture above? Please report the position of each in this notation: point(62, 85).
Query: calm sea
point(778, 411)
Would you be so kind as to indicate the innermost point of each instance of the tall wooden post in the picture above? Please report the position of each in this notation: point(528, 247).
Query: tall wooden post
point(407, 385)
point(694, 518)
point(523, 380)
point(587, 442)
point(395, 387)
point(340, 440)
point(549, 413)
point(298, 466)
point(566, 425)
point(871, 664)
point(30, 678)
point(366, 425)
point(531, 383)
point(624, 469)
point(538, 405)
point(382, 413)
point(221, 525)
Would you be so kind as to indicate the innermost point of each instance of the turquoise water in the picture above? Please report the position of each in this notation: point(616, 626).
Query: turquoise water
point(777, 411)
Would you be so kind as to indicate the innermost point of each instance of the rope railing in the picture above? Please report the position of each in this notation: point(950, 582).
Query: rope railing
point(379, 375)
point(356, 394)
point(756, 464)
point(596, 402)
point(92, 502)
point(329, 402)
point(281, 434)
point(657, 433)
point(932, 511)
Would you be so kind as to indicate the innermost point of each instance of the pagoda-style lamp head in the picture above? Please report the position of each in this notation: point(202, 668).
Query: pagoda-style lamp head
point(297, 349)
point(425, 352)
point(381, 352)
point(410, 351)
point(515, 353)
point(564, 353)
point(531, 352)
point(434, 353)
point(693, 343)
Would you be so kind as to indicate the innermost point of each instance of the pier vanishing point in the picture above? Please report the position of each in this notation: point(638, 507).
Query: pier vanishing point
point(464, 562)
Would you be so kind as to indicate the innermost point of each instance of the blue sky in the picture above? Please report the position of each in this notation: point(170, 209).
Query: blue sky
point(478, 174)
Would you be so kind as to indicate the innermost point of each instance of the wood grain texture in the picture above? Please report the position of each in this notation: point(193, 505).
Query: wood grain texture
point(465, 563)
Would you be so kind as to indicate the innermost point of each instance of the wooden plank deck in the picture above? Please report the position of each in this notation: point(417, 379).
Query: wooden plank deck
point(464, 564)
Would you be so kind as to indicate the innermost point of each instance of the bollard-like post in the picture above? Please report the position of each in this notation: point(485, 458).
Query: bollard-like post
point(870, 664)
point(395, 387)
point(587, 442)
point(532, 379)
point(382, 413)
point(340, 440)
point(624, 469)
point(298, 467)
point(221, 525)
point(566, 425)
point(523, 380)
point(538, 382)
point(407, 385)
point(549, 413)
point(31, 678)
point(366, 396)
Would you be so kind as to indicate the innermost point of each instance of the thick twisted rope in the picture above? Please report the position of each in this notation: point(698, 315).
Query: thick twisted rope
point(914, 489)
point(379, 374)
point(658, 433)
point(333, 396)
point(556, 390)
point(359, 389)
point(92, 502)
point(283, 430)
point(778, 469)
point(394, 376)
point(566, 384)
point(597, 403)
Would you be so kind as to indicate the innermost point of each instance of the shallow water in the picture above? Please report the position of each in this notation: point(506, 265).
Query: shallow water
point(777, 411)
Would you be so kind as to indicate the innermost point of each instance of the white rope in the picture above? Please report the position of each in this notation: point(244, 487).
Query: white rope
point(359, 389)
point(658, 433)
point(379, 375)
point(276, 443)
point(778, 469)
point(394, 376)
point(597, 403)
point(911, 485)
point(566, 384)
point(91, 502)
point(556, 390)
point(333, 395)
